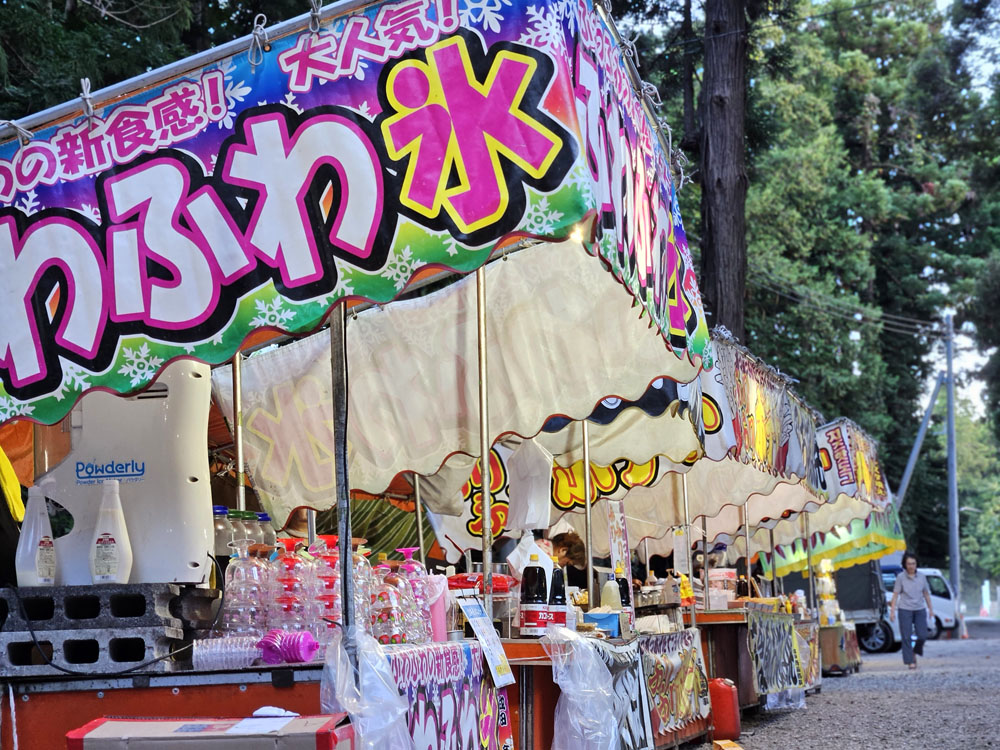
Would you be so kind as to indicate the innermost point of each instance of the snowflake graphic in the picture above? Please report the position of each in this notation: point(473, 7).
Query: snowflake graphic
point(581, 179)
point(140, 365)
point(400, 267)
point(189, 348)
point(75, 379)
point(545, 30)
point(217, 339)
point(485, 13)
point(235, 93)
point(675, 209)
point(365, 109)
point(540, 219)
point(91, 212)
point(29, 203)
point(273, 314)
point(289, 101)
point(10, 408)
point(451, 246)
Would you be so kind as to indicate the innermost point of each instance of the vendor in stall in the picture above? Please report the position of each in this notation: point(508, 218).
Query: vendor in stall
point(572, 555)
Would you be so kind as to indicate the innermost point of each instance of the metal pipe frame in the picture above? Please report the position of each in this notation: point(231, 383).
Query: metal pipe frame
point(484, 444)
point(420, 519)
point(588, 494)
point(241, 496)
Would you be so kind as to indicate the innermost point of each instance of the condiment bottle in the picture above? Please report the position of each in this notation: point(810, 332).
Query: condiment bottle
point(35, 559)
point(110, 549)
point(534, 600)
point(557, 596)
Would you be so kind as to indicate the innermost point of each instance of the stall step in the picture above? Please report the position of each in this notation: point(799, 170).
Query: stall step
point(132, 605)
point(97, 651)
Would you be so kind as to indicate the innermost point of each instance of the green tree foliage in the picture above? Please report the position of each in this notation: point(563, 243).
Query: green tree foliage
point(871, 206)
point(46, 48)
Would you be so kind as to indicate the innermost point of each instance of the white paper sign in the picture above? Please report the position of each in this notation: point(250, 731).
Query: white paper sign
point(682, 551)
point(263, 725)
point(488, 639)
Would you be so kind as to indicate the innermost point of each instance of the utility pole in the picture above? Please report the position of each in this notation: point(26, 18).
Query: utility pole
point(953, 552)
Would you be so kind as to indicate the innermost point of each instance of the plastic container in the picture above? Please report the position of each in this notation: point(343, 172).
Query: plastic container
point(110, 549)
point(229, 652)
point(35, 559)
point(223, 531)
point(534, 600)
point(268, 534)
point(725, 716)
point(611, 596)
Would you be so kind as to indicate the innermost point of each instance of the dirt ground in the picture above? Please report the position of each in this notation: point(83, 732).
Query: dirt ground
point(951, 701)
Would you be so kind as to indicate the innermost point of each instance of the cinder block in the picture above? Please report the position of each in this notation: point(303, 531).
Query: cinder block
point(132, 605)
point(87, 650)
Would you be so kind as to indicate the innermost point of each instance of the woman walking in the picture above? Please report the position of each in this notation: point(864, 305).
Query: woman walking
point(910, 593)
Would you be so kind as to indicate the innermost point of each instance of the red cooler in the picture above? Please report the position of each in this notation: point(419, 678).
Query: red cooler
point(725, 709)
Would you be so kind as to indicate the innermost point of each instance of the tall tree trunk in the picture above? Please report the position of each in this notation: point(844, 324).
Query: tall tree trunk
point(690, 139)
point(723, 164)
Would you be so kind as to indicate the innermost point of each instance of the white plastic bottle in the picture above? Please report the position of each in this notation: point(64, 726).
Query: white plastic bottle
point(110, 550)
point(35, 559)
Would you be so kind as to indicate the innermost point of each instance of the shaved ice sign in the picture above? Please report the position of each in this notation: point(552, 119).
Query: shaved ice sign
point(237, 196)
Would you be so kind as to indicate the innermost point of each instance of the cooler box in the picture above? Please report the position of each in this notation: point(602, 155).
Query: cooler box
point(605, 621)
point(285, 733)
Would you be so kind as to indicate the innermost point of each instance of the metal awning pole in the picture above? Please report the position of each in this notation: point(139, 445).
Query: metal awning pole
point(687, 542)
point(484, 444)
point(338, 392)
point(704, 556)
point(420, 518)
point(241, 497)
point(310, 526)
point(588, 493)
point(746, 532)
point(809, 563)
point(774, 566)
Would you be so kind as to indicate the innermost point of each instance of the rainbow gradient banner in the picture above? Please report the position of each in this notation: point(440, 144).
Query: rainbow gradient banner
point(175, 221)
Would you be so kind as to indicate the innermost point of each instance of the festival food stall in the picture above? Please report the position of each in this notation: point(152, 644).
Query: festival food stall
point(162, 221)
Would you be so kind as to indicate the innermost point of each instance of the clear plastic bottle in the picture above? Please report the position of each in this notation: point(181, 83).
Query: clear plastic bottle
point(252, 525)
point(110, 549)
point(35, 560)
point(223, 531)
point(268, 534)
point(611, 596)
point(236, 521)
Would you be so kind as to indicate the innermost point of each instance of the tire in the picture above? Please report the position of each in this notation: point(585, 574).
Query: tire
point(877, 638)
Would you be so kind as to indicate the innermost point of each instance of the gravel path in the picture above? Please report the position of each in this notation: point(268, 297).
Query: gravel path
point(951, 702)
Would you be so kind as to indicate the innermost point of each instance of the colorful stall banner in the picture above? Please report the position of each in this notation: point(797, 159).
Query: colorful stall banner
point(807, 634)
point(870, 538)
point(495, 729)
point(774, 650)
point(631, 698)
point(849, 457)
point(443, 683)
point(675, 678)
point(235, 196)
point(621, 557)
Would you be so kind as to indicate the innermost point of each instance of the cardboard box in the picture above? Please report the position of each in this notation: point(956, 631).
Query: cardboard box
point(297, 733)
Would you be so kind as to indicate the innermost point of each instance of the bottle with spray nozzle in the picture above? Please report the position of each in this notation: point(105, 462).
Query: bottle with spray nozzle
point(35, 559)
point(110, 550)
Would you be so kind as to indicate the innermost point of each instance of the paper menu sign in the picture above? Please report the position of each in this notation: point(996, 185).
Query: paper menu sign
point(621, 557)
point(500, 669)
point(682, 551)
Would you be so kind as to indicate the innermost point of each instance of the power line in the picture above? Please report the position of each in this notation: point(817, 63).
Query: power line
point(837, 302)
point(866, 319)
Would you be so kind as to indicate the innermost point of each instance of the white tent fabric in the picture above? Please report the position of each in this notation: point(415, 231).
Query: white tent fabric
point(561, 336)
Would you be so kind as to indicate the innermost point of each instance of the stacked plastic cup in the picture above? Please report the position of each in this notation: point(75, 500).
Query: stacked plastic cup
point(246, 588)
point(388, 622)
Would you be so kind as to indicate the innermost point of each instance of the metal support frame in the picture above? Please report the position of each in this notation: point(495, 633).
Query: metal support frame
point(588, 494)
point(420, 519)
point(484, 444)
point(954, 553)
point(241, 497)
point(339, 389)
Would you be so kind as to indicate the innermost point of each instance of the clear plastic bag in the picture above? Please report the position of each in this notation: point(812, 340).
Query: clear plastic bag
point(585, 713)
point(377, 710)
